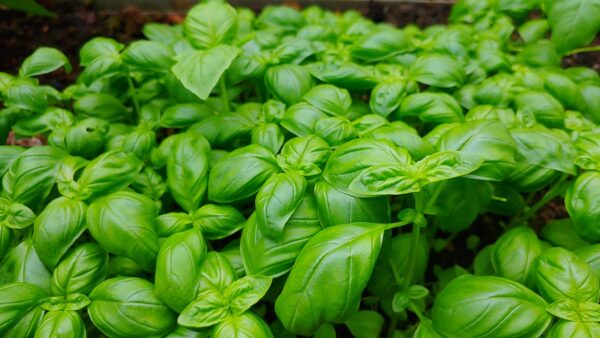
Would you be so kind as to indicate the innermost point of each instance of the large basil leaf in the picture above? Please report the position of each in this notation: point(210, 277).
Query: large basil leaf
point(63, 323)
point(57, 228)
point(187, 170)
point(349, 160)
point(288, 83)
point(227, 184)
point(199, 71)
point(127, 306)
point(487, 140)
point(44, 60)
point(381, 45)
point(438, 71)
point(583, 204)
point(107, 173)
point(81, 270)
point(218, 221)
point(336, 265)
point(336, 207)
point(247, 325)
point(174, 285)
point(514, 254)
point(560, 274)
point(573, 23)
point(31, 176)
point(124, 224)
point(268, 257)
point(15, 301)
point(22, 264)
point(210, 24)
point(277, 200)
point(488, 307)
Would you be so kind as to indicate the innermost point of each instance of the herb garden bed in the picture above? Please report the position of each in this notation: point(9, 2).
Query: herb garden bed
point(293, 172)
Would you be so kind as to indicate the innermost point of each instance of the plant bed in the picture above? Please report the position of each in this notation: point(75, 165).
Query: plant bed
point(306, 173)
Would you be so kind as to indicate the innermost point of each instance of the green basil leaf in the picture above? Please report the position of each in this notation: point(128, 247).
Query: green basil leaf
point(216, 272)
point(22, 264)
point(335, 130)
point(175, 286)
point(460, 203)
point(27, 325)
point(210, 24)
point(288, 83)
point(514, 254)
point(583, 207)
point(402, 136)
point(127, 306)
point(218, 221)
point(533, 30)
point(381, 45)
point(57, 228)
point(277, 200)
point(187, 170)
point(301, 119)
point(247, 325)
point(365, 324)
point(432, 108)
point(199, 71)
point(24, 95)
point(162, 33)
point(109, 172)
point(80, 270)
point(124, 224)
point(44, 60)
point(222, 129)
point(306, 155)
point(226, 184)
point(98, 47)
point(210, 308)
point(343, 74)
point(245, 292)
point(16, 300)
point(561, 274)
point(564, 309)
point(488, 305)
point(183, 115)
point(352, 249)
point(573, 23)
point(59, 323)
point(349, 160)
point(336, 207)
point(564, 328)
point(269, 136)
point(438, 71)
point(264, 256)
point(329, 99)
point(148, 56)
point(386, 97)
point(487, 140)
point(102, 106)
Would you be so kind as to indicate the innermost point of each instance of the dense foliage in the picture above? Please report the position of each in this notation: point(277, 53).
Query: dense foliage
point(294, 172)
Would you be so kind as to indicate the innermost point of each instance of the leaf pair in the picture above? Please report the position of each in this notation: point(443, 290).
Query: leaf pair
point(386, 179)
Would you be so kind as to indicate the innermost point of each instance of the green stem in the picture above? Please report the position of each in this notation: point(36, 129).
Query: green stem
point(223, 92)
point(556, 189)
point(414, 242)
point(132, 90)
point(392, 327)
point(416, 311)
point(584, 50)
